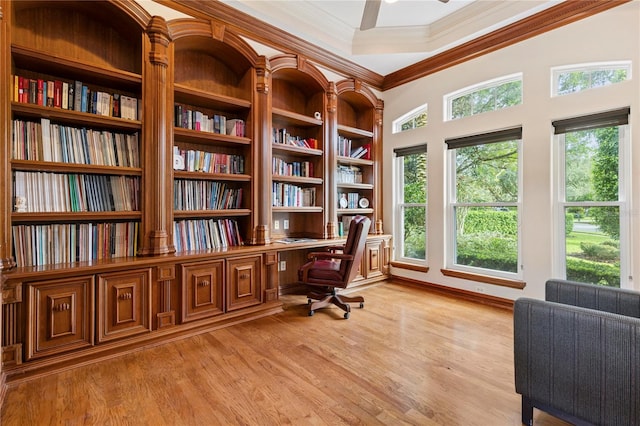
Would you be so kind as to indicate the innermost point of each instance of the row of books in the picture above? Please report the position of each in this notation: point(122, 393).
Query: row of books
point(74, 96)
point(207, 162)
point(281, 167)
point(287, 195)
point(348, 174)
point(352, 199)
point(205, 195)
point(35, 245)
point(187, 118)
point(280, 136)
point(46, 141)
point(206, 234)
point(59, 192)
point(345, 149)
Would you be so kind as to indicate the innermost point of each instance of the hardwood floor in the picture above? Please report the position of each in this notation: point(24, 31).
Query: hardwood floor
point(409, 357)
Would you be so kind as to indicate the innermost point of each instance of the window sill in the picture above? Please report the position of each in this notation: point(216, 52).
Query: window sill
point(504, 282)
point(409, 266)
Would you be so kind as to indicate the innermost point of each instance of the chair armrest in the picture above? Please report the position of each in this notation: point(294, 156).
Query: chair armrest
point(329, 255)
point(335, 248)
point(608, 299)
point(583, 362)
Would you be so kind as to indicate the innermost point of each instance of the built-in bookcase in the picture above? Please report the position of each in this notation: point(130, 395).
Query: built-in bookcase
point(298, 146)
point(213, 134)
point(75, 136)
point(357, 173)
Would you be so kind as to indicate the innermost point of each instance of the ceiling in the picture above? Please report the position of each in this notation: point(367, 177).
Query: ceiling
point(407, 31)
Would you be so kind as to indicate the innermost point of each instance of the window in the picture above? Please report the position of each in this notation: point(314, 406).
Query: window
point(576, 78)
point(592, 226)
point(484, 206)
point(490, 95)
point(411, 120)
point(411, 201)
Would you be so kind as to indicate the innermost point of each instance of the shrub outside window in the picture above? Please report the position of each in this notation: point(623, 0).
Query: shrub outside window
point(487, 96)
point(485, 203)
point(411, 203)
point(592, 225)
point(576, 78)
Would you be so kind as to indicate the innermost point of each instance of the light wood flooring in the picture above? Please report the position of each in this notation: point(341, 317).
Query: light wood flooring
point(410, 357)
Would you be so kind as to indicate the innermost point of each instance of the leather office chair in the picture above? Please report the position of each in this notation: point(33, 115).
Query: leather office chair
point(335, 269)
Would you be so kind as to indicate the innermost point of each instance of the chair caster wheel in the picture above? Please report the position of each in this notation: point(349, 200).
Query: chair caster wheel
point(308, 301)
point(346, 315)
point(361, 305)
point(311, 313)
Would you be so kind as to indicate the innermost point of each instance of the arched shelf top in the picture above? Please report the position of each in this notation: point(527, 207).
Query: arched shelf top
point(214, 40)
point(298, 71)
point(355, 93)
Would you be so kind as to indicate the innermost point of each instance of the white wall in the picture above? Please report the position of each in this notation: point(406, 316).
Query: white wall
point(608, 36)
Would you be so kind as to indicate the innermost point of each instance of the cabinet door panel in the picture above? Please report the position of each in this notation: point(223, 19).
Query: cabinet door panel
point(123, 304)
point(245, 282)
point(202, 290)
point(60, 316)
point(373, 254)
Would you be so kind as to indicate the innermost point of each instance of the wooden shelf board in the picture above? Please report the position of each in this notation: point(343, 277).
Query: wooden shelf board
point(355, 185)
point(179, 174)
point(354, 161)
point(312, 209)
point(295, 118)
point(354, 211)
point(66, 116)
point(47, 166)
point(196, 136)
point(191, 96)
point(186, 214)
point(354, 132)
point(69, 217)
point(298, 150)
point(298, 179)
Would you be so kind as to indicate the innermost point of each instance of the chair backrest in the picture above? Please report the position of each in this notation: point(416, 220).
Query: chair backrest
point(356, 239)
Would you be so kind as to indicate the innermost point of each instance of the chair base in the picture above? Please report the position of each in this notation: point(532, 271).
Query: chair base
point(319, 300)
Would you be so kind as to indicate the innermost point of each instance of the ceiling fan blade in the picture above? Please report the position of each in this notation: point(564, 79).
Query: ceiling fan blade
point(370, 14)
point(444, 1)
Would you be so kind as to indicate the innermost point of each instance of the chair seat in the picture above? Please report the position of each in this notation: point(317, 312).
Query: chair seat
point(324, 270)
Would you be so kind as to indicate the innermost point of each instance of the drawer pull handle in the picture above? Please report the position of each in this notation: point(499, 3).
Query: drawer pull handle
point(126, 296)
point(203, 283)
point(244, 276)
point(62, 307)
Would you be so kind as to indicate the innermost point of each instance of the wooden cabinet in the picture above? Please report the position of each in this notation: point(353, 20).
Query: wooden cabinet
point(60, 316)
point(124, 304)
point(214, 86)
point(202, 290)
point(244, 277)
point(299, 147)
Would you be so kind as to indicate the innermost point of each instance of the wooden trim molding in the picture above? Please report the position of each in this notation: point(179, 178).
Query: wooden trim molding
point(484, 299)
point(409, 266)
point(504, 282)
point(557, 16)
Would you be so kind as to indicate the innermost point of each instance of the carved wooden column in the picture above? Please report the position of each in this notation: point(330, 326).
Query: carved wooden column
point(331, 161)
point(6, 196)
point(262, 155)
point(377, 170)
point(157, 205)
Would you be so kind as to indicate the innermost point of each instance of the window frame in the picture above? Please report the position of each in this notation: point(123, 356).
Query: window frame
point(396, 125)
point(452, 203)
point(590, 66)
point(400, 205)
point(559, 265)
point(449, 98)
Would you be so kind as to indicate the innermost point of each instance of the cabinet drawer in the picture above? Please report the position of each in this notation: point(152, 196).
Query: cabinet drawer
point(59, 316)
point(123, 304)
point(202, 290)
point(244, 276)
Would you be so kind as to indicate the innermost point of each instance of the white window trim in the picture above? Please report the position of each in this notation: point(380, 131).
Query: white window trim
point(396, 125)
point(590, 66)
point(450, 97)
point(398, 229)
point(559, 266)
point(451, 222)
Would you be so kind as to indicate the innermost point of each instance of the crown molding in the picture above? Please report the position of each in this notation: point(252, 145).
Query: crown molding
point(242, 24)
point(547, 20)
point(269, 35)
